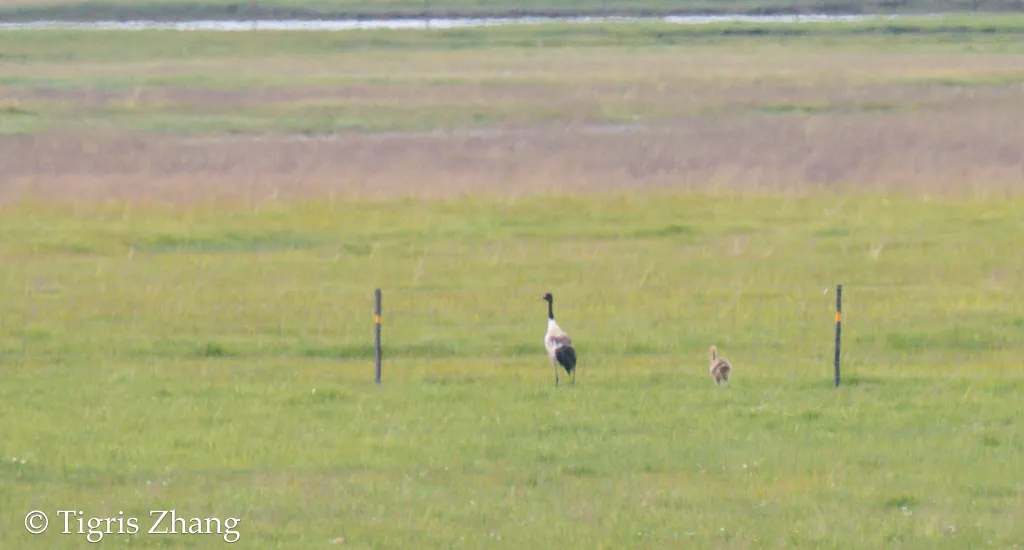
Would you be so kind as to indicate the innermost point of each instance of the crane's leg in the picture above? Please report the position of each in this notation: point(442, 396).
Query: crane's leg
point(556, 373)
point(573, 377)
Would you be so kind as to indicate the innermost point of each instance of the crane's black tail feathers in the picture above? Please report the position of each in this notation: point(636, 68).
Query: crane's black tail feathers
point(566, 356)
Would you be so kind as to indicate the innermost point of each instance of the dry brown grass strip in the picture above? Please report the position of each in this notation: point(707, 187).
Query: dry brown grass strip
point(969, 151)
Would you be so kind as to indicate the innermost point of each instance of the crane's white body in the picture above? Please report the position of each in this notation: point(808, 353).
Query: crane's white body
point(555, 338)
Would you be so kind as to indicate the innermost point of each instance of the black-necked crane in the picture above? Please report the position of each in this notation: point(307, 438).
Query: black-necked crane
point(558, 344)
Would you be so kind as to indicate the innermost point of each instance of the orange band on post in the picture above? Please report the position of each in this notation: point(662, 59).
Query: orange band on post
point(839, 317)
point(376, 319)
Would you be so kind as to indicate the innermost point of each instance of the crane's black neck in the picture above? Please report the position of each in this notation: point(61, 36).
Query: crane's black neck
point(551, 309)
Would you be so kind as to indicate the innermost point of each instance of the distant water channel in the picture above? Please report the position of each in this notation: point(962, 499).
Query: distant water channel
point(442, 23)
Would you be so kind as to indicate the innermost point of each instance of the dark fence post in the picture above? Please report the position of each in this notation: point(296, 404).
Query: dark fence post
point(376, 328)
point(839, 326)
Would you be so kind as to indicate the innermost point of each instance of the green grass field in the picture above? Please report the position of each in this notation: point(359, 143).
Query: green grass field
point(181, 328)
point(322, 83)
point(219, 362)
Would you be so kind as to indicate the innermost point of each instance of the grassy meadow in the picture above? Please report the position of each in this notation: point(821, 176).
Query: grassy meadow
point(401, 80)
point(192, 226)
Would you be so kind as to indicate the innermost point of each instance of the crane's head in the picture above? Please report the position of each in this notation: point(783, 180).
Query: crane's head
point(547, 297)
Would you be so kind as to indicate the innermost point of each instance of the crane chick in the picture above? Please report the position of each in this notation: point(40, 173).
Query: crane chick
point(720, 367)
